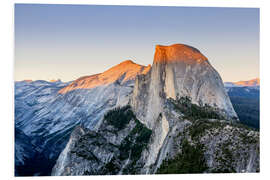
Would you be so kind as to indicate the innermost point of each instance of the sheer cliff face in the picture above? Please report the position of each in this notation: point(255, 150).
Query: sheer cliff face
point(177, 71)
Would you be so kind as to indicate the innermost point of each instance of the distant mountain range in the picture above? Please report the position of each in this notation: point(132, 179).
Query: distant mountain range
point(249, 83)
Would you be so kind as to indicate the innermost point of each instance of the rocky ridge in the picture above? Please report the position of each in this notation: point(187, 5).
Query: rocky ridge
point(115, 148)
point(121, 73)
point(47, 112)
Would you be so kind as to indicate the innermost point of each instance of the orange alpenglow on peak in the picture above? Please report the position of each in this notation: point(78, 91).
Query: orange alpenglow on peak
point(178, 53)
point(252, 82)
point(127, 62)
point(126, 70)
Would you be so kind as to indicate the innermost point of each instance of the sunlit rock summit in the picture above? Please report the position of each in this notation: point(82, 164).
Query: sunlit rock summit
point(179, 71)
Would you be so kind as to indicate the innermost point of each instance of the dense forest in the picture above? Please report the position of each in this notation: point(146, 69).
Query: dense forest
point(248, 110)
point(246, 103)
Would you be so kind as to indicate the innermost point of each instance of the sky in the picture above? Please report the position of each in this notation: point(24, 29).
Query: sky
point(69, 41)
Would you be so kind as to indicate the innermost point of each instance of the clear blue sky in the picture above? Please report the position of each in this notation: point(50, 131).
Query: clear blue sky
point(69, 41)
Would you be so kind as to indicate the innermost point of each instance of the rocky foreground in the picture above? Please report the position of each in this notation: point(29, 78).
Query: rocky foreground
point(193, 145)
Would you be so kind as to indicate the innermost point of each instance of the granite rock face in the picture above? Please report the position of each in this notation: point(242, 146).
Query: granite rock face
point(177, 71)
point(116, 148)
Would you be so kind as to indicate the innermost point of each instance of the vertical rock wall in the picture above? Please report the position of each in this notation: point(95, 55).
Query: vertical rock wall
point(177, 71)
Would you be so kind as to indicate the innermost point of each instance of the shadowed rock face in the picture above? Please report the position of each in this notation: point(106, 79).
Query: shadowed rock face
point(116, 148)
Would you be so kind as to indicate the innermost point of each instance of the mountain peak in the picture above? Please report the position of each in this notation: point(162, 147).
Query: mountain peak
point(178, 52)
point(179, 71)
point(127, 62)
point(125, 71)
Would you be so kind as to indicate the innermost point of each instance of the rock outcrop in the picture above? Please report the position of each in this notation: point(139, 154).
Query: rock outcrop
point(116, 148)
point(177, 71)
